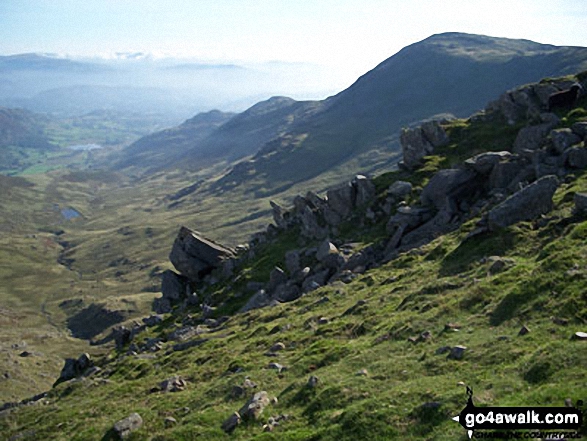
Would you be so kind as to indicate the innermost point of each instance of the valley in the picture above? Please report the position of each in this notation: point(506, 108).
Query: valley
point(86, 235)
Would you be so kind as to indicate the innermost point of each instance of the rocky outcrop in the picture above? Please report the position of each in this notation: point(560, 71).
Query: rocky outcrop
point(421, 141)
point(75, 368)
point(195, 257)
point(126, 426)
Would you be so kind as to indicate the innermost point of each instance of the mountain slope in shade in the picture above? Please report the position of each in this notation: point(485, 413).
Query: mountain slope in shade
point(451, 73)
point(215, 136)
point(21, 128)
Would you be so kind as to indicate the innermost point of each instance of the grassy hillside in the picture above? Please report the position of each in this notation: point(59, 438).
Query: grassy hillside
point(377, 344)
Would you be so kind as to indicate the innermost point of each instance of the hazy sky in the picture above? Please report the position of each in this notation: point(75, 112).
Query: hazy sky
point(352, 34)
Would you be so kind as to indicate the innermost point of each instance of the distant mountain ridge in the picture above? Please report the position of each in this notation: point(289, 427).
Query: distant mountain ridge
point(451, 73)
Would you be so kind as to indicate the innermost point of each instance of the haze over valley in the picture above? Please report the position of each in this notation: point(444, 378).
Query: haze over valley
point(196, 224)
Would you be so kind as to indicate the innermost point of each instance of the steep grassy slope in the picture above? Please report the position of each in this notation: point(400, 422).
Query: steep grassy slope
point(374, 344)
point(448, 73)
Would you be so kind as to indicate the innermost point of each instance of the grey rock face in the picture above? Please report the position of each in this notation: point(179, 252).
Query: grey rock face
point(278, 213)
point(532, 137)
point(484, 162)
point(434, 133)
point(325, 249)
point(75, 367)
point(253, 408)
point(292, 261)
point(365, 190)
point(505, 173)
point(581, 203)
point(276, 278)
point(445, 185)
point(580, 129)
point(341, 199)
point(310, 226)
point(562, 139)
point(526, 204)
point(173, 286)
point(195, 256)
point(576, 157)
point(258, 300)
point(414, 147)
point(126, 426)
point(400, 189)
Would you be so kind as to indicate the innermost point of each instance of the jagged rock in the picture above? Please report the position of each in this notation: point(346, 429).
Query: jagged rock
point(122, 336)
point(195, 256)
point(315, 281)
point(341, 199)
point(434, 133)
point(400, 189)
point(253, 409)
point(331, 217)
point(524, 330)
point(279, 346)
point(75, 367)
point(126, 426)
point(152, 320)
point(447, 185)
point(278, 213)
point(457, 352)
point(532, 137)
point(310, 226)
point(562, 139)
point(230, 424)
point(329, 255)
point(292, 261)
point(258, 300)
point(276, 278)
point(407, 218)
point(414, 147)
point(173, 286)
point(287, 292)
point(169, 422)
point(581, 203)
point(173, 384)
point(312, 382)
point(161, 305)
point(576, 157)
point(301, 275)
point(483, 163)
point(526, 204)
point(580, 129)
point(505, 173)
point(364, 190)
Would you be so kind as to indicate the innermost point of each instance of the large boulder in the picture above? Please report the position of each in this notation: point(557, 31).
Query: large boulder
point(75, 367)
point(278, 213)
point(342, 198)
point(414, 147)
point(533, 137)
point(126, 426)
point(483, 163)
point(527, 204)
point(364, 189)
point(253, 408)
point(576, 157)
point(194, 256)
point(562, 139)
point(447, 186)
point(173, 286)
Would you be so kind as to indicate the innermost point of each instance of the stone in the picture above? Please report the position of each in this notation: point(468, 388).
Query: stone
point(580, 336)
point(170, 422)
point(278, 213)
point(414, 147)
point(287, 292)
point(532, 137)
point(315, 281)
point(341, 199)
point(576, 157)
point(162, 305)
point(580, 129)
point(447, 185)
point(362, 373)
point(457, 352)
point(126, 426)
point(581, 203)
point(364, 190)
point(562, 139)
point(524, 330)
point(276, 277)
point(258, 300)
point(399, 189)
point(194, 256)
point(325, 251)
point(524, 205)
point(231, 423)
point(504, 173)
point(310, 226)
point(292, 261)
point(279, 346)
point(253, 409)
point(312, 382)
point(483, 163)
point(173, 384)
point(435, 133)
point(152, 320)
point(75, 367)
point(498, 264)
point(173, 286)
point(275, 366)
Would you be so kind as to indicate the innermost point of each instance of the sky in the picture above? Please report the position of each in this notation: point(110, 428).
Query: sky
point(351, 35)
